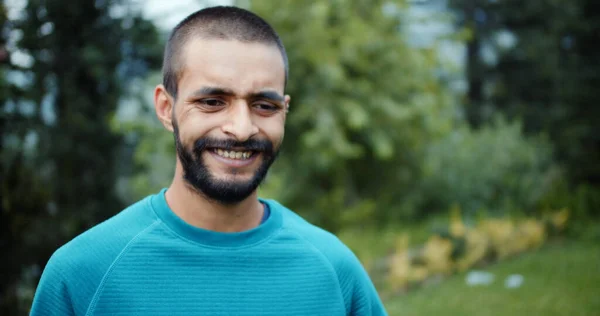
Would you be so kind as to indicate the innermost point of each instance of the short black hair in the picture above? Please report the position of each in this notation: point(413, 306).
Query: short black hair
point(221, 22)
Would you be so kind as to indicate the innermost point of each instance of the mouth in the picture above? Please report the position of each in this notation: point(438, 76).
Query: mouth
point(234, 154)
point(234, 158)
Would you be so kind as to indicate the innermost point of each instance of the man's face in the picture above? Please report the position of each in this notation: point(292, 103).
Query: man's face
point(229, 116)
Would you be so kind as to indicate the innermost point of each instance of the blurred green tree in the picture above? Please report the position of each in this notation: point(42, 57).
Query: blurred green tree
point(539, 61)
point(68, 67)
point(494, 168)
point(365, 102)
point(374, 133)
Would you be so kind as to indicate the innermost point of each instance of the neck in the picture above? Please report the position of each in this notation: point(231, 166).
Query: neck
point(196, 210)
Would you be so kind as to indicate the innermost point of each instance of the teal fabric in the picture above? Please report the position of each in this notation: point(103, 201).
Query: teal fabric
point(147, 261)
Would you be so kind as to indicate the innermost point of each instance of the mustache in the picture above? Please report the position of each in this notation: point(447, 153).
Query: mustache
point(262, 145)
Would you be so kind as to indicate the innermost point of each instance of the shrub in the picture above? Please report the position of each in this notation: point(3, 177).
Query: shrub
point(461, 247)
point(494, 168)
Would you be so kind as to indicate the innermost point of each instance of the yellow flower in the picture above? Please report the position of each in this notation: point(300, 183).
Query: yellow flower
point(500, 233)
point(399, 264)
point(399, 271)
point(533, 233)
point(457, 227)
point(559, 219)
point(437, 255)
point(418, 273)
point(476, 248)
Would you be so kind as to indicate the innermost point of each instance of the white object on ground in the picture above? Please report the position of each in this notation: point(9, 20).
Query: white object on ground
point(513, 281)
point(475, 278)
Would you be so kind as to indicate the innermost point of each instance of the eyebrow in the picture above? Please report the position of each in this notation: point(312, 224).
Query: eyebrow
point(265, 94)
point(269, 95)
point(212, 91)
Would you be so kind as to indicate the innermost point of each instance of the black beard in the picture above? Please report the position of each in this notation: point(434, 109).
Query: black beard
point(196, 174)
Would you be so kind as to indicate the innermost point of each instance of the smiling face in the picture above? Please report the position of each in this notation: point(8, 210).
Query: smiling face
point(228, 118)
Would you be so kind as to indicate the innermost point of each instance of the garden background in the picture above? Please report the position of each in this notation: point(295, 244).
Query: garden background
point(454, 145)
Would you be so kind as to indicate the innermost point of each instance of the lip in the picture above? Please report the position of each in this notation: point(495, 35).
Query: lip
point(235, 163)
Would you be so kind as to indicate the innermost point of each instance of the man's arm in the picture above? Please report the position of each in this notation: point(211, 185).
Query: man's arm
point(52, 295)
point(365, 300)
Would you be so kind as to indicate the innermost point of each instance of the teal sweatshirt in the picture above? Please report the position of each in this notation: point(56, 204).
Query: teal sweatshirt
point(147, 261)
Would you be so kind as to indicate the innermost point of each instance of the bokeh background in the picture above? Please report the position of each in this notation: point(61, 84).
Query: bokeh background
point(454, 145)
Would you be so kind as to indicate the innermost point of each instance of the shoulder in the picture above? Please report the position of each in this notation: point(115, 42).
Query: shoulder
point(80, 265)
point(320, 238)
point(106, 239)
point(358, 292)
point(330, 246)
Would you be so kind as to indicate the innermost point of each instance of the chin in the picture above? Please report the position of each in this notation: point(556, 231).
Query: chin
point(233, 181)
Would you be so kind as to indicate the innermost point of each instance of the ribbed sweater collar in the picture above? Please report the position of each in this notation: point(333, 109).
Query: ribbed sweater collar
point(217, 239)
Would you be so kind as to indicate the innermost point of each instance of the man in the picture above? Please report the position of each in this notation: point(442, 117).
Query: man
point(208, 245)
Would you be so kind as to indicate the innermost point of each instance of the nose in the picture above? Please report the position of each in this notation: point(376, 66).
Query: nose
point(240, 124)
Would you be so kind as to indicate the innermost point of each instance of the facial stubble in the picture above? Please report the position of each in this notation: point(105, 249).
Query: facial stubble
point(197, 174)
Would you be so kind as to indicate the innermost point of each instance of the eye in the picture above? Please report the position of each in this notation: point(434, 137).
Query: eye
point(211, 102)
point(266, 107)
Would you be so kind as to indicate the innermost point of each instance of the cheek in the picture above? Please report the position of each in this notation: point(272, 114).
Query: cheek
point(273, 128)
point(193, 127)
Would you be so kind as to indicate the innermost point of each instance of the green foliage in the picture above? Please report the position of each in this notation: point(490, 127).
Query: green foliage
point(372, 244)
point(544, 70)
point(373, 136)
point(364, 104)
point(59, 155)
point(494, 168)
point(583, 201)
point(152, 146)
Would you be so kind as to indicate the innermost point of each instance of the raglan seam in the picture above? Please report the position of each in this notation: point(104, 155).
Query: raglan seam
point(321, 254)
point(100, 288)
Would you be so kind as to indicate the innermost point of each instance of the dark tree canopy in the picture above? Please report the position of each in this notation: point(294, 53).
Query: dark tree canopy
point(549, 77)
point(59, 154)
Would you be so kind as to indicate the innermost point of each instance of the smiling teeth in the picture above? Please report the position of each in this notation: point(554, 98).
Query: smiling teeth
point(233, 154)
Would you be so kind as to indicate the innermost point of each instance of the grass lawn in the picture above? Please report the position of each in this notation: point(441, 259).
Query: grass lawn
point(562, 278)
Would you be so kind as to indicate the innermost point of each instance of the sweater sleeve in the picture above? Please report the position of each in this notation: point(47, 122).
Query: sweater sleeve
point(52, 295)
point(360, 298)
point(360, 293)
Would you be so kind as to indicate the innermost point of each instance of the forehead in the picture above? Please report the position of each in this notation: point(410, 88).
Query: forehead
point(240, 66)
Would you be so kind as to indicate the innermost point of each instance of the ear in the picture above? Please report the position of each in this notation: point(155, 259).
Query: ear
point(287, 100)
point(164, 106)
